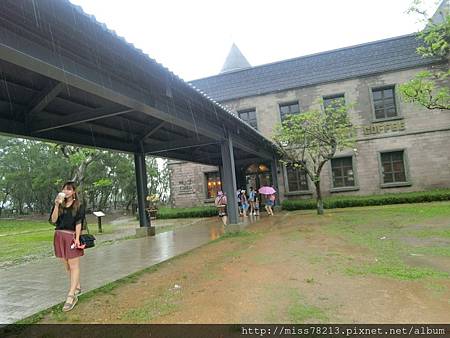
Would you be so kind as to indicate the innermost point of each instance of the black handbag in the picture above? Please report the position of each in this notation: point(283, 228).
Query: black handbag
point(87, 239)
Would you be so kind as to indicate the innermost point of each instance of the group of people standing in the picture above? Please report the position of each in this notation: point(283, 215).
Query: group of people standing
point(248, 204)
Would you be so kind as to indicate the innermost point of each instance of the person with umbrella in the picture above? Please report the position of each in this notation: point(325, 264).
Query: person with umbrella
point(270, 195)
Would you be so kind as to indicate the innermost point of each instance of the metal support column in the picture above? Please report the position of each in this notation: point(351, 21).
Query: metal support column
point(140, 181)
point(144, 179)
point(229, 179)
point(141, 184)
point(274, 167)
point(221, 177)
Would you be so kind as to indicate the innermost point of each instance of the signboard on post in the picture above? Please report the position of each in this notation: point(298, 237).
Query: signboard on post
point(99, 215)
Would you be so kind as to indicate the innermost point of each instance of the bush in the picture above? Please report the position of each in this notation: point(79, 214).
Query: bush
point(360, 201)
point(165, 213)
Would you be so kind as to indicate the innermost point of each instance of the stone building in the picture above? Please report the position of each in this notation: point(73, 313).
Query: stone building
point(400, 147)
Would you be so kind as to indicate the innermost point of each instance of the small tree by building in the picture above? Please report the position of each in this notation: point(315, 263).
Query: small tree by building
point(309, 140)
point(430, 88)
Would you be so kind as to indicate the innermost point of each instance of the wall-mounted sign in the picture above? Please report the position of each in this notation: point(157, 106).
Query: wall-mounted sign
point(378, 128)
point(186, 187)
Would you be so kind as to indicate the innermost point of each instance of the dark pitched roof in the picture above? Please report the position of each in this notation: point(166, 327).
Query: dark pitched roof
point(344, 63)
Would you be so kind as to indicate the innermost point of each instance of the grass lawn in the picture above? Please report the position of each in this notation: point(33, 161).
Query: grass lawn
point(25, 240)
point(357, 265)
point(395, 234)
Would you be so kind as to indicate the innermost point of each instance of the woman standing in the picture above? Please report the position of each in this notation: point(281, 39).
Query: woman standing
point(270, 202)
point(67, 215)
point(244, 203)
point(221, 203)
point(251, 201)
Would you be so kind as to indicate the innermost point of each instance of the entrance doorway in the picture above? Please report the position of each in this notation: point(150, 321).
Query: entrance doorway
point(257, 175)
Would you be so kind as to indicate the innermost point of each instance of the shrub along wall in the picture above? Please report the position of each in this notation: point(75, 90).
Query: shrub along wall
point(165, 213)
point(359, 201)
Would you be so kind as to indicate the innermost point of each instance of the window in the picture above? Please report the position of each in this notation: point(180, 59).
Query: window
point(297, 179)
point(393, 167)
point(249, 116)
point(384, 104)
point(333, 101)
point(342, 171)
point(213, 184)
point(288, 108)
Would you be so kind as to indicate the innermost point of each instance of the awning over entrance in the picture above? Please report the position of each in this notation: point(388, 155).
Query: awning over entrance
point(66, 78)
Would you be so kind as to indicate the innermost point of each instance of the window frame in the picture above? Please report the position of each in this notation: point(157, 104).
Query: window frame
point(396, 101)
point(355, 174)
point(288, 103)
point(243, 111)
point(297, 192)
point(331, 96)
point(407, 182)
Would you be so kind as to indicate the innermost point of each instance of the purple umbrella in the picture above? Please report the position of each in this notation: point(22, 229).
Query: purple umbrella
point(267, 190)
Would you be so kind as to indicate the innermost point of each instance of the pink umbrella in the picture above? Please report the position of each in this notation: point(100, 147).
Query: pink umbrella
point(267, 190)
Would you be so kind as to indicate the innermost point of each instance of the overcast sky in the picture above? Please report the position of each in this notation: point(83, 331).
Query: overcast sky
point(193, 37)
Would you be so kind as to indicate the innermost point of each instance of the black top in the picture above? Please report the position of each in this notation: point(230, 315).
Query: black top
point(67, 221)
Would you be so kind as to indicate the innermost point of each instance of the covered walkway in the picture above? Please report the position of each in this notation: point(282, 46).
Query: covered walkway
point(66, 78)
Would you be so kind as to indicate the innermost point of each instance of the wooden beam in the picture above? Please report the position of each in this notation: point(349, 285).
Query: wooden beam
point(153, 130)
point(44, 98)
point(177, 145)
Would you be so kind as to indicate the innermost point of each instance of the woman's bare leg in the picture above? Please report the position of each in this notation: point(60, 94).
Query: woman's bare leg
point(67, 267)
point(224, 220)
point(252, 207)
point(74, 264)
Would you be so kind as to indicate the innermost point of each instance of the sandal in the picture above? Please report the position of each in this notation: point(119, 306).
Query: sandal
point(69, 306)
point(77, 291)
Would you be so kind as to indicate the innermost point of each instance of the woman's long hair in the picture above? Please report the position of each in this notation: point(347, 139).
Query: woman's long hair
point(76, 202)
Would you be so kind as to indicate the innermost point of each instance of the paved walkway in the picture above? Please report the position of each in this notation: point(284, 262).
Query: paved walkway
point(35, 286)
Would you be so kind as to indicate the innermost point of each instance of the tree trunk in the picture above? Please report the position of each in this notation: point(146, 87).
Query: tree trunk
point(319, 198)
point(128, 205)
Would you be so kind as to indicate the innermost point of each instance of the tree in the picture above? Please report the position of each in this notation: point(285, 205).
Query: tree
point(79, 159)
point(430, 88)
point(31, 173)
point(308, 140)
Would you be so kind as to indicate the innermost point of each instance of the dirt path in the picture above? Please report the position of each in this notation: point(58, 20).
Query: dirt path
point(284, 269)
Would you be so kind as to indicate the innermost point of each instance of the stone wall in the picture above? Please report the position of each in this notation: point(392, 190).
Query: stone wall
point(423, 134)
point(188, 183)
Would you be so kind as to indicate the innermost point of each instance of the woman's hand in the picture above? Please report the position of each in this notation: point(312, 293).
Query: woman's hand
point(77, 242)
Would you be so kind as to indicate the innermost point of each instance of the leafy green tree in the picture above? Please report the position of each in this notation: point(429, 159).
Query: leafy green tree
point(308, 140)
point(79, 159)
point(31, 172)
point(28, 173)
point(430, 88)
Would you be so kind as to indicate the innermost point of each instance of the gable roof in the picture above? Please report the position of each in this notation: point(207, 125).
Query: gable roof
point(235, 60)
point(360, 60)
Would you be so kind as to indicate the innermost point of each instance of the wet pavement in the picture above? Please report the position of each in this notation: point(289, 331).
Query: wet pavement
point(35, 286)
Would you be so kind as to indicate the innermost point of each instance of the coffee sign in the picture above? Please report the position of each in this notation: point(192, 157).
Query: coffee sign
point(383, 127)
point(186, 187)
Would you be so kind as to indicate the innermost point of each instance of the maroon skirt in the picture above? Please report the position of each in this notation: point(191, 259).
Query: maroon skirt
point(62, 241)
